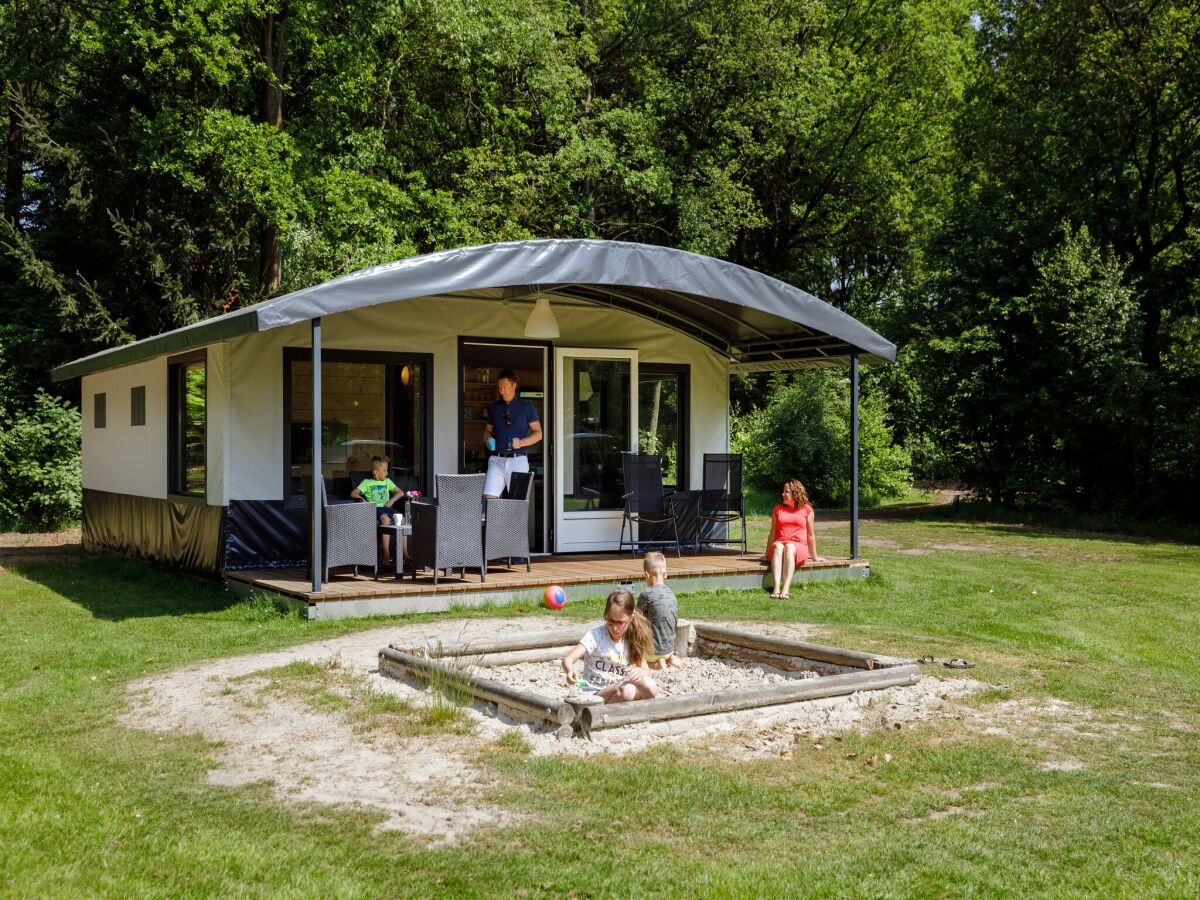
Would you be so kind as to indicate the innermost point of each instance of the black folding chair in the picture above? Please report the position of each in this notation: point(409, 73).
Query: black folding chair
point(647, 503)
point(721, 500)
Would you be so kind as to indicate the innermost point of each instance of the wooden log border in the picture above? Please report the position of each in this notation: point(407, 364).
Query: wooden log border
point(820, 652)
point(868, 672)
point(783, 661)
point(397, 663)
point(532, 641)
point(511, 658)
point(615, 715)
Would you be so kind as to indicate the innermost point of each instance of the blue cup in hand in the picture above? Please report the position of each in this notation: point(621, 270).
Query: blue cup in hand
point(491, 444)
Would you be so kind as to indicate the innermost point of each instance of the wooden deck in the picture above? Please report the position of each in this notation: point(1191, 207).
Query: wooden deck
point(580, 575)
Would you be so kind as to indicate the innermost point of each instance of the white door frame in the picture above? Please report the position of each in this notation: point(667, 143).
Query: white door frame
point(585, 530)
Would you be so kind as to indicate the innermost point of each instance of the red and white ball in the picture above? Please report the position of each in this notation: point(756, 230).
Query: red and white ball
point(555, 597)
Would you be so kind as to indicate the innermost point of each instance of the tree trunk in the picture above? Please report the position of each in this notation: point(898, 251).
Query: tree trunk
point(270, 111)
point(654, 407)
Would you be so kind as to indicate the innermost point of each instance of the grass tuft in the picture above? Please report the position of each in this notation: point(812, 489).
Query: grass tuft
point(264, 606)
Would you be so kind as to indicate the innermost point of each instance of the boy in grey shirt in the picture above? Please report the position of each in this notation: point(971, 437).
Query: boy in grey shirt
point(657, 602)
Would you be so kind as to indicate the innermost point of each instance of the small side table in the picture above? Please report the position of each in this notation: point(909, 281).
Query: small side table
point(398, 533)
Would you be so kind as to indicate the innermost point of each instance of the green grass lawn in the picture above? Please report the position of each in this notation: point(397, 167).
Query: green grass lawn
point(89, 807)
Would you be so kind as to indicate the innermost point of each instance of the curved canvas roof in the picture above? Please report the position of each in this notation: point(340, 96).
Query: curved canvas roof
point(759, 322)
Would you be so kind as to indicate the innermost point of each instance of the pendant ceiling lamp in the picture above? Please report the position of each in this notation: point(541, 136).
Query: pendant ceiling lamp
point(541, 322)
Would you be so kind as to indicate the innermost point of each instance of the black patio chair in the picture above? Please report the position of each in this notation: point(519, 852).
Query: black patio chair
point(647, 503)
point(447, 530)
point(506, 522)
point(721, 500)
point(348, 532)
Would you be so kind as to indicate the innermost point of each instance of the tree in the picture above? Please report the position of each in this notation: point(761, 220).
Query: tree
point(804, 432)
point(1081, 114)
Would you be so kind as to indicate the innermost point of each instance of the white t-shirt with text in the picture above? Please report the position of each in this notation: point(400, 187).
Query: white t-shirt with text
point(605, 661)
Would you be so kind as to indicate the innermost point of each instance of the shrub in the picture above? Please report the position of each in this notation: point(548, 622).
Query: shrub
point(41, 482)
point(804, 432)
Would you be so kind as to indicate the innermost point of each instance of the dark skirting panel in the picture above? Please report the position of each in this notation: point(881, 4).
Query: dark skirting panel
point(178, 534)
point(264, 534)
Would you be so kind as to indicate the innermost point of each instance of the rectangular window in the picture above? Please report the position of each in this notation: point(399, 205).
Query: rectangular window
point(597, 407)
point(100, 411)
point(188, 448)
point(137, 405)
point(662, 419)
point(372, 404)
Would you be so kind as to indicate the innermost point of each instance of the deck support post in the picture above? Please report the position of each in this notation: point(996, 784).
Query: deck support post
point(315, 555)
point(854, 454)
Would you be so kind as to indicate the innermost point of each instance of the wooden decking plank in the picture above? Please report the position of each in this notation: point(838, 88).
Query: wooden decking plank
point(584, 569)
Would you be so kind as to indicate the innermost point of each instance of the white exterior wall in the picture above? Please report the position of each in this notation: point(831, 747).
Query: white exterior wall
point(433, 326)
point(121, 458)
point(126, 459)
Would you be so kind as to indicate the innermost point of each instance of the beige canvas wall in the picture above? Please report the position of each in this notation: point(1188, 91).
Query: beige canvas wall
point(255, 383)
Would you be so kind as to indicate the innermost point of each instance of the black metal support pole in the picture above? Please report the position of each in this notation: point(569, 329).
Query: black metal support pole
point(854, 454)
point(315, 551)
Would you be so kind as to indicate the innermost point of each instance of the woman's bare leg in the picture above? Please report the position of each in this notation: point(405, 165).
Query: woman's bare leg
point(777, 568)
point(789, 569)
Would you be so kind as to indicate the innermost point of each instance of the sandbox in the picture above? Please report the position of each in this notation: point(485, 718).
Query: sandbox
point(805, 671)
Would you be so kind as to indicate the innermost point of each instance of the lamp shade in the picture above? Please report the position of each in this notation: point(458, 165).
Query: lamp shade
point(541, 322)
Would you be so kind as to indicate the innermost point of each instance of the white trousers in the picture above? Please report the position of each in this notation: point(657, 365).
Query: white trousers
point(499, 473)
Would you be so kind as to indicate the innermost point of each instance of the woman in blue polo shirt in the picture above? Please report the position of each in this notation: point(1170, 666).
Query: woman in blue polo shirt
point(512, 427)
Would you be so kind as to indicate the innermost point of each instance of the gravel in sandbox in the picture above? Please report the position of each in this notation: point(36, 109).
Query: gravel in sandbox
point(703, 674)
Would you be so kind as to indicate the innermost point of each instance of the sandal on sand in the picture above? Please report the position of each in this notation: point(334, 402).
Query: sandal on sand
point(959, 663)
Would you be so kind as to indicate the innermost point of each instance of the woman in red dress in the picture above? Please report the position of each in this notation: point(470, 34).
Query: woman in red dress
point(792, 540)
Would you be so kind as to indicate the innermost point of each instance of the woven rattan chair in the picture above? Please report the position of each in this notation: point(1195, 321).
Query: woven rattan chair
point(721, 500)
point(446, 531)
point(647, 503)
point(349, 532)
point(506, 522)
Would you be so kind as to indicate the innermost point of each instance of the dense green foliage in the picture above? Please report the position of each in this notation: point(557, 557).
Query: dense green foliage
point(985, 185)
point(1054, 359)
point(41, 481)
point(803, 432)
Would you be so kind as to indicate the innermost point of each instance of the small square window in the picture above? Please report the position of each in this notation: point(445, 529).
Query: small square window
point(101, 411)
point(137, 405)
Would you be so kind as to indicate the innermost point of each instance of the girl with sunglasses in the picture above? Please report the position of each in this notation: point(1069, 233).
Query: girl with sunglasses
point(793, 539)
point(614, 654)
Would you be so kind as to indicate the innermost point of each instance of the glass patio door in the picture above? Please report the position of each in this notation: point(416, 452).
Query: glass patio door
point(596, 421)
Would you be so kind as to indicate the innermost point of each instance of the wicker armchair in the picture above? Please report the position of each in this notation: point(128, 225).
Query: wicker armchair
point(446, 531)
point(647, 502)
point(349, 532)
point(721, 501)
point(506, 523)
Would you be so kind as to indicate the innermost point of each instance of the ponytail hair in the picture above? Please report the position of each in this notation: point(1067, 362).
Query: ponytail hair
point(638, 639)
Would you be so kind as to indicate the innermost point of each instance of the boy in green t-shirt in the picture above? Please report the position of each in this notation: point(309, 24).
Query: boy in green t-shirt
point(382, 491)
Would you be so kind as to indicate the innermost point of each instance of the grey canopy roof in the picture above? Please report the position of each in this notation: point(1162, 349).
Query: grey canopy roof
point(758, 322)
